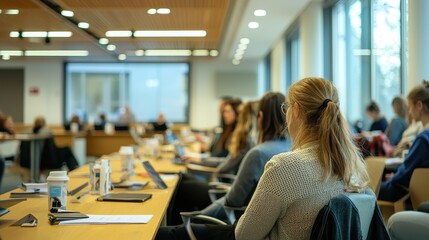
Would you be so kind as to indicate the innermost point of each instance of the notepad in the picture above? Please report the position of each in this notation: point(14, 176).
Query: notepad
point(110, 219)
point(125, 197)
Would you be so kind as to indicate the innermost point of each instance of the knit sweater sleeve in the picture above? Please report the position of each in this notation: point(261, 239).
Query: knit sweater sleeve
point(263, 210)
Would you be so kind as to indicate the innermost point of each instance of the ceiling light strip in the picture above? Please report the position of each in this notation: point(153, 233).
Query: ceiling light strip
point(56, 53)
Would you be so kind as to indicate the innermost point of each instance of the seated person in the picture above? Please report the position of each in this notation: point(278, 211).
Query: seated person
point(324, 162)
point(101, 122)
point(125, 116)
point(273, 140)
point(241, 143)
point(160, 124)
point(53, 157)
point(7, 125)
point(379, 121)
point(399, 123)
point(74, 119)
point(396, 185)
point(408, 136)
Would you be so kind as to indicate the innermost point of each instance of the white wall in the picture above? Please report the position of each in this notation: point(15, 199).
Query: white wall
point(278, 67)
point(48, 77)
point(311, 39)
point(204, 105)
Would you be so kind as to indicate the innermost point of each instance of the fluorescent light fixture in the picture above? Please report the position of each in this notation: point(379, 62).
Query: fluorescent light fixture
point(214, 53)
point(34, 34)
point(253, 25)
point(174, 33)
point(163, 11)
point(238, 56)
point(11, 52)
point(103, 41)
point(168, 53)
point(111, 47)
point(235, 61)
point(139, 52)
point(83, 25)
point(119, 34)
point(56, 53)
point(260, 13)
point(5, 57)
point(122, 57)
point(14, 34)
point(0, 11)
point(60, 34)
point(361, 52)
point(41, 34)
point(244, 41)
point(242, 46)
point(12, 11)
point(200, 52)
point(67, 13)
point(151, 11)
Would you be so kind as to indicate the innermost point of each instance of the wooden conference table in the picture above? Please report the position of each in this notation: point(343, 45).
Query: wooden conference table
point(157, 206)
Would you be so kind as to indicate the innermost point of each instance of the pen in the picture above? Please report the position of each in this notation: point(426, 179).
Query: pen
point(77, 199)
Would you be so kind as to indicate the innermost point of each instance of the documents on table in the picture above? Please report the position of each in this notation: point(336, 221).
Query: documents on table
point(391, 161)
point(35, 187)
point(110, 219)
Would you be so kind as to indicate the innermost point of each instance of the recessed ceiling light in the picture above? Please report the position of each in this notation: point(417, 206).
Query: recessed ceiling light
point(139, 52)
point(235, 61)
point(0, 11)
point(5, 57)
point(119, 34)
point(34, 34)
point(214, 53)
point(244, 41)
point(12, 11)
point(163, 11)
point(14, 34)
point(238, 56)
point(84, 25)
point(253, 25)
point(151, 11)
point(200, 52)
point(260, 13)
point(242, 46)
point(40, 34)
point(122, 57)
point(103, 41)
point(111, 47)
point(56, 53)
point(174, 33)
point(239, 51)
point(67, 13)
point(163, 52)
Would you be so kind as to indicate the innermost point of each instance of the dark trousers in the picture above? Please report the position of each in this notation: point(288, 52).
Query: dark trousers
point(391, 192)
point(201, 231)
point(191, 195)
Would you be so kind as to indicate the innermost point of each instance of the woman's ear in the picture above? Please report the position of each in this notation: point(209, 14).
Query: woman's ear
point(419, 105)
point(296, 110)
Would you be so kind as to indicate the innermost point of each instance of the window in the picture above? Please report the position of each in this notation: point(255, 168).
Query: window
point(386, 52)
point(368, 59)
point(146, 88)
point(292, 57)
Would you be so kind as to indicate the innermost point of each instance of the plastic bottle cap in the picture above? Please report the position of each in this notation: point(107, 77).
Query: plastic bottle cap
point(58, 176)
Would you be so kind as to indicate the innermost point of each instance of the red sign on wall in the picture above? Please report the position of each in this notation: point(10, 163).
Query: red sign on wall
point(34, 90)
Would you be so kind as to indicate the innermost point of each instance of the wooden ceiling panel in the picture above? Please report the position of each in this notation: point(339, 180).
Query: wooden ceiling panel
point(105, 15)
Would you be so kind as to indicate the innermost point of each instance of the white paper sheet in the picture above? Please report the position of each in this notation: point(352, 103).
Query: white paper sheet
point(110, 219)
point(391, 161)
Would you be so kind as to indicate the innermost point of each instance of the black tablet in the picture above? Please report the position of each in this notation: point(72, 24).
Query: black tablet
point(154, 175)
point(4, 204)
point(125, 197)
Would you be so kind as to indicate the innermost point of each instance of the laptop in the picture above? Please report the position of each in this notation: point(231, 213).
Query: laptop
point(7, 203)
point(154, 175)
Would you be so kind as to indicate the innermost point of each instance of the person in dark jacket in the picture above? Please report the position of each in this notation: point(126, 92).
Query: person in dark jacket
point(379, 121)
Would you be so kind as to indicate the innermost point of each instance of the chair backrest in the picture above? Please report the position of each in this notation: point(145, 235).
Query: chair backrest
point(375, 167)
point(419, 192)
point(365, 203)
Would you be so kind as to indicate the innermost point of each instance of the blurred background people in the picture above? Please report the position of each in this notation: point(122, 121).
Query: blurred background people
point(379, 122)
point(161, 123)
point(125, 116)
point(399, 123)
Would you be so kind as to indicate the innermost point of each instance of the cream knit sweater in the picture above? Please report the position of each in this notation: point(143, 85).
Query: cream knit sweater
point(288, 198)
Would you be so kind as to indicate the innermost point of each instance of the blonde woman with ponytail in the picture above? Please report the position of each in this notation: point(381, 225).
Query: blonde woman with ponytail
point(323, 163)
